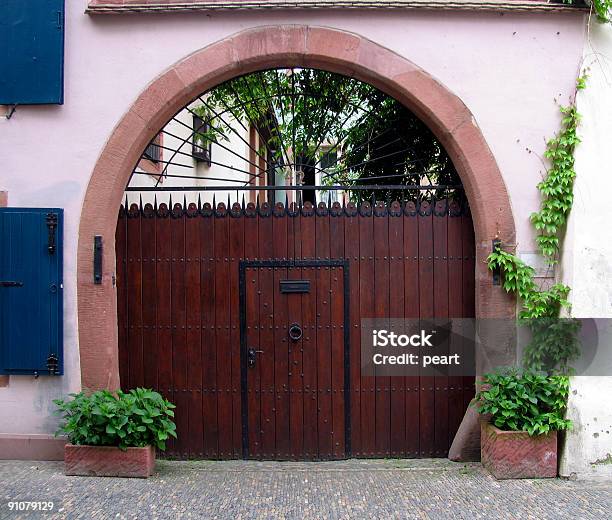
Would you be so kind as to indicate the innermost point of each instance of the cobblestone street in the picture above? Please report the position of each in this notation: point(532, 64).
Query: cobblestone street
point(351, 489)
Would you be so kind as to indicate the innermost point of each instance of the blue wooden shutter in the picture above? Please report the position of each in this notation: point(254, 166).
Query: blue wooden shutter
point(31, 52)
point(31, 289)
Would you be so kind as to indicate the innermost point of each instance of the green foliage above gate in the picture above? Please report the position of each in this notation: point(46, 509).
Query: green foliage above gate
point(307, 114)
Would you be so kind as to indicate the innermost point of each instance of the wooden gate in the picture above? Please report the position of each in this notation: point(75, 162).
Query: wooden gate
point(211, 301)
point(293, 322)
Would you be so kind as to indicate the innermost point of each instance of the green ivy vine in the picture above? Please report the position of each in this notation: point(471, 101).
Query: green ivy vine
point(557, 189)
point(603, 10)
point(554, 341)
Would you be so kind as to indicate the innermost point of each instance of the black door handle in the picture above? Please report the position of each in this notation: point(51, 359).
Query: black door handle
point(252, 356)
point(8, 283)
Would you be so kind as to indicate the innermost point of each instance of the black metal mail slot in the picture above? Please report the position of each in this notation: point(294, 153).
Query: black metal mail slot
point(295, 286)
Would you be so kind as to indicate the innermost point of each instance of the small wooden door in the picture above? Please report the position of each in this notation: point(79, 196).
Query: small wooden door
point(294, 359)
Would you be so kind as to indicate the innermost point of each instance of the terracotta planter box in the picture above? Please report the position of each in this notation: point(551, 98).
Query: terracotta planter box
point(516, 454)
point(108, 461)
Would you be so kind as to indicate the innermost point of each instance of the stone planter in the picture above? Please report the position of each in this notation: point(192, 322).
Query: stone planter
point(517, 455)
point(108, 461)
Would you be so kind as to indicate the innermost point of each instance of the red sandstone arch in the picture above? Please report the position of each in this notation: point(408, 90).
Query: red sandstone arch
point(247, 51)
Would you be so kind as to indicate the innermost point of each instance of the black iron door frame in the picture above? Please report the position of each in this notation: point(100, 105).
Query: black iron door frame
point(274, 263)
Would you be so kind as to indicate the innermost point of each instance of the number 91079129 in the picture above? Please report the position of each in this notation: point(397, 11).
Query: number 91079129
point(30, 505)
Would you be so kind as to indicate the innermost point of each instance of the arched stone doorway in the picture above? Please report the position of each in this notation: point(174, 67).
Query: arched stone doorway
point(251, 50)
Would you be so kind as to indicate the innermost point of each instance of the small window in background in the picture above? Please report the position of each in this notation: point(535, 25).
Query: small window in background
point(153, 152)
point(201, 145)
point(329, 160)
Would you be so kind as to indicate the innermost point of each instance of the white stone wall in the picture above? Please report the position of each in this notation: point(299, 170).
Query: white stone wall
point(587, 262)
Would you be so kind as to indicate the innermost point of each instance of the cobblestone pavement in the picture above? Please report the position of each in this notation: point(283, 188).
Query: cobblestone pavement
point(357, 489)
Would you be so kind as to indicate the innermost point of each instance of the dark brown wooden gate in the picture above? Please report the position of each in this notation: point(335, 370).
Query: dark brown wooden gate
point(199, 287)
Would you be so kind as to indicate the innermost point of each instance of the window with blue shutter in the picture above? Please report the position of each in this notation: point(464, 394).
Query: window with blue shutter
point(31, 289)
point(31, 52)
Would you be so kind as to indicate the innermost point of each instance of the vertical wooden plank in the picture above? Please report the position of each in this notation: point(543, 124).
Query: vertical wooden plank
point(149, 290)
point(193, 334)
point(280, 341)
point(469, 289)
point(134, 276)
point(179, 344)
point(324, 359)
point(251, 243)
point(337, 296)
point(253, 372)
point(306, 236)
point(440, 231)
point(280, 346)
point(122, 296)
point(411, 312)
point(236, 252)
point(426, 311)
point(366, 310)
point(222, 333)
point(296, 360)
point(294, 246)
point(351, 247)
point(307, 414)
point(265, 359)
point(396, 311)
point(381, 310)
point(163, 275)
point(455, 310)
point(209, 352)
point(304, 415)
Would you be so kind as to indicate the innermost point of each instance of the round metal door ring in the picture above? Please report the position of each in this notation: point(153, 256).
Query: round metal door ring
point(295, 332)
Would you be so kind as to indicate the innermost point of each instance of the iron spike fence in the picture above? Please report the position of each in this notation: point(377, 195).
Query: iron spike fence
point(440, 201)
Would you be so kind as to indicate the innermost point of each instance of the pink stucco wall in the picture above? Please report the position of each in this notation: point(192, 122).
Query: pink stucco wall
point(508, 69)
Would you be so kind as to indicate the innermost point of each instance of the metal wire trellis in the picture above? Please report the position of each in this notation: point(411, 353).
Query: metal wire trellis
point(267, 132)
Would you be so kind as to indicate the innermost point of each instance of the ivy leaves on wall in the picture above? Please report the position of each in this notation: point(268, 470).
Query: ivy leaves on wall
point(553, 344)
point(603, 10)
point(557, 188)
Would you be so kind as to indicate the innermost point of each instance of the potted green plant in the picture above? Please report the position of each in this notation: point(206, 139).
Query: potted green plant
point(522, 413)
point(114, 434)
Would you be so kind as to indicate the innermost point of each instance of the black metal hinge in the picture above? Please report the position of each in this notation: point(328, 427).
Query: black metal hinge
point(97, 259)
point(51, 227)
point(52, 364)
point(10, 283)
